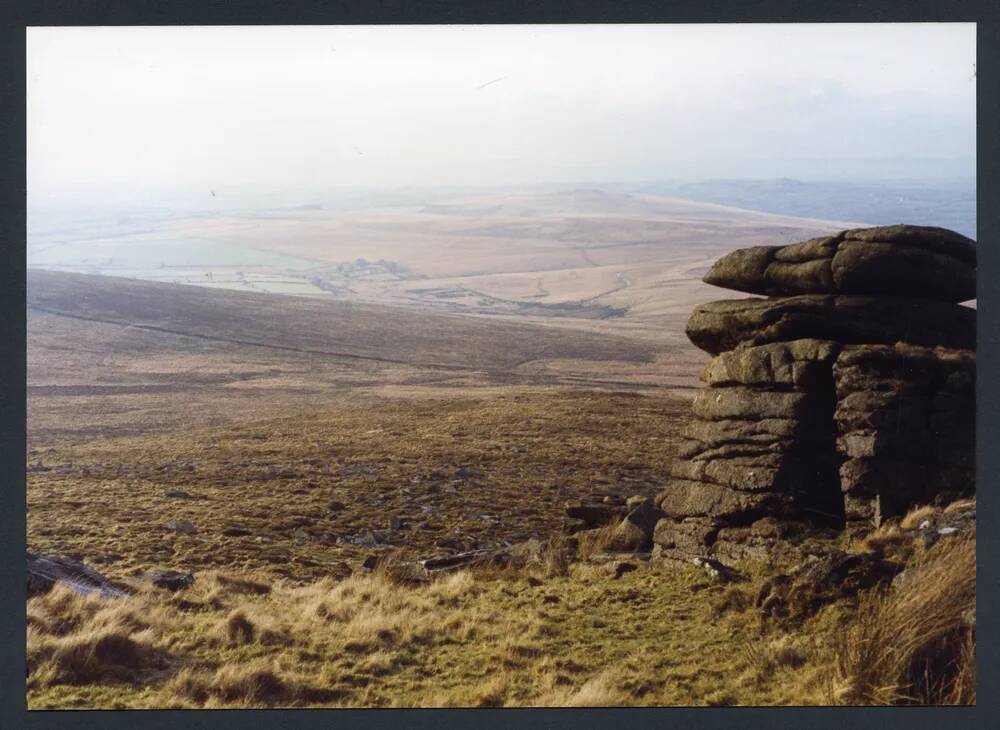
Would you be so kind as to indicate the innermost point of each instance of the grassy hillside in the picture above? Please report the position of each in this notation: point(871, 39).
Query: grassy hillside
point(110, 356)
point(300, 496)
point(316, 327)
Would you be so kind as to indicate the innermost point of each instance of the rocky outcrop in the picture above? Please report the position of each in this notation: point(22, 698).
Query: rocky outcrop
point(904, 261)
point(847, 396)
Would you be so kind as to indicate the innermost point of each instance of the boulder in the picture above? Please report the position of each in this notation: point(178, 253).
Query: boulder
point(182, 526)
point(726, 324)
point(594, 514)
point(620, 568)
point(635, 531)
point(44, 571)
point(689, 535)
point(716, 571)
point(171, 580)
point(908, 261)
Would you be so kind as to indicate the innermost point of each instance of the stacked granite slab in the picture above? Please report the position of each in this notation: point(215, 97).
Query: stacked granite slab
point(906, 427)
point(797, 408)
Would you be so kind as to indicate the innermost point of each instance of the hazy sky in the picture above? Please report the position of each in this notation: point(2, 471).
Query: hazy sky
point(144, 109)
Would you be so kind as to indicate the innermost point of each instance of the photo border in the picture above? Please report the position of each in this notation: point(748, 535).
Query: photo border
point(19, 14)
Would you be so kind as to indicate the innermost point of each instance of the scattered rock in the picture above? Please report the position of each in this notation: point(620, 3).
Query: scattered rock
point(804, 590)
point(531, 550)
point(182, 526)
point(44, 571)
point(171, 580)
point(571, 526)
point(179, 494)
point(635, 500)
point(717, 571)
point(620, 568)
point(365, 539)
point(594, 514)
point(635, 531)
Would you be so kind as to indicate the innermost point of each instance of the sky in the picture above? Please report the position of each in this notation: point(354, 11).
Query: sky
point(130, 111)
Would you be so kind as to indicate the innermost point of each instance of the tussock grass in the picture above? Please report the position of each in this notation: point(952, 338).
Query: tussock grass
point(767, 656)
point(915, 643)
point(472, 638)
point(596, 541)
point(912, 519)
point(600, 690)
point(239, 629)
point(532, 636)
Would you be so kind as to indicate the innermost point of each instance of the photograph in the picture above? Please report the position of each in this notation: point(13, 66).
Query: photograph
point(500, 366)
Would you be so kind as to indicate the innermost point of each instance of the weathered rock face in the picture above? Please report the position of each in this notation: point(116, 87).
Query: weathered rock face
point(724, 325)
point(906, 261)
point(849, 400)
point(751, 452)
point(44, 571)
point(906, 427)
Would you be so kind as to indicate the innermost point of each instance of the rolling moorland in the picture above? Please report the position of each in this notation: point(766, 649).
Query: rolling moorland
point(445, 380)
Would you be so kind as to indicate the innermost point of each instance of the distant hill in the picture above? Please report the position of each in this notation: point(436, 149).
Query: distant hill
point(948, 203)
point(331, 330)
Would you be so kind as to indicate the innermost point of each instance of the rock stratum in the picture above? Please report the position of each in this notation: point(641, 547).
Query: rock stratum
point(842, 399)
point(905, 261)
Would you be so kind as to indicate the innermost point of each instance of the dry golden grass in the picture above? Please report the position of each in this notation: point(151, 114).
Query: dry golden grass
point(916, 643)
point(887, 540)
point(503, 637)
point(912, 519)
point(469, 470)
point(596, 541)
point(891, 540)
point(490, 638)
